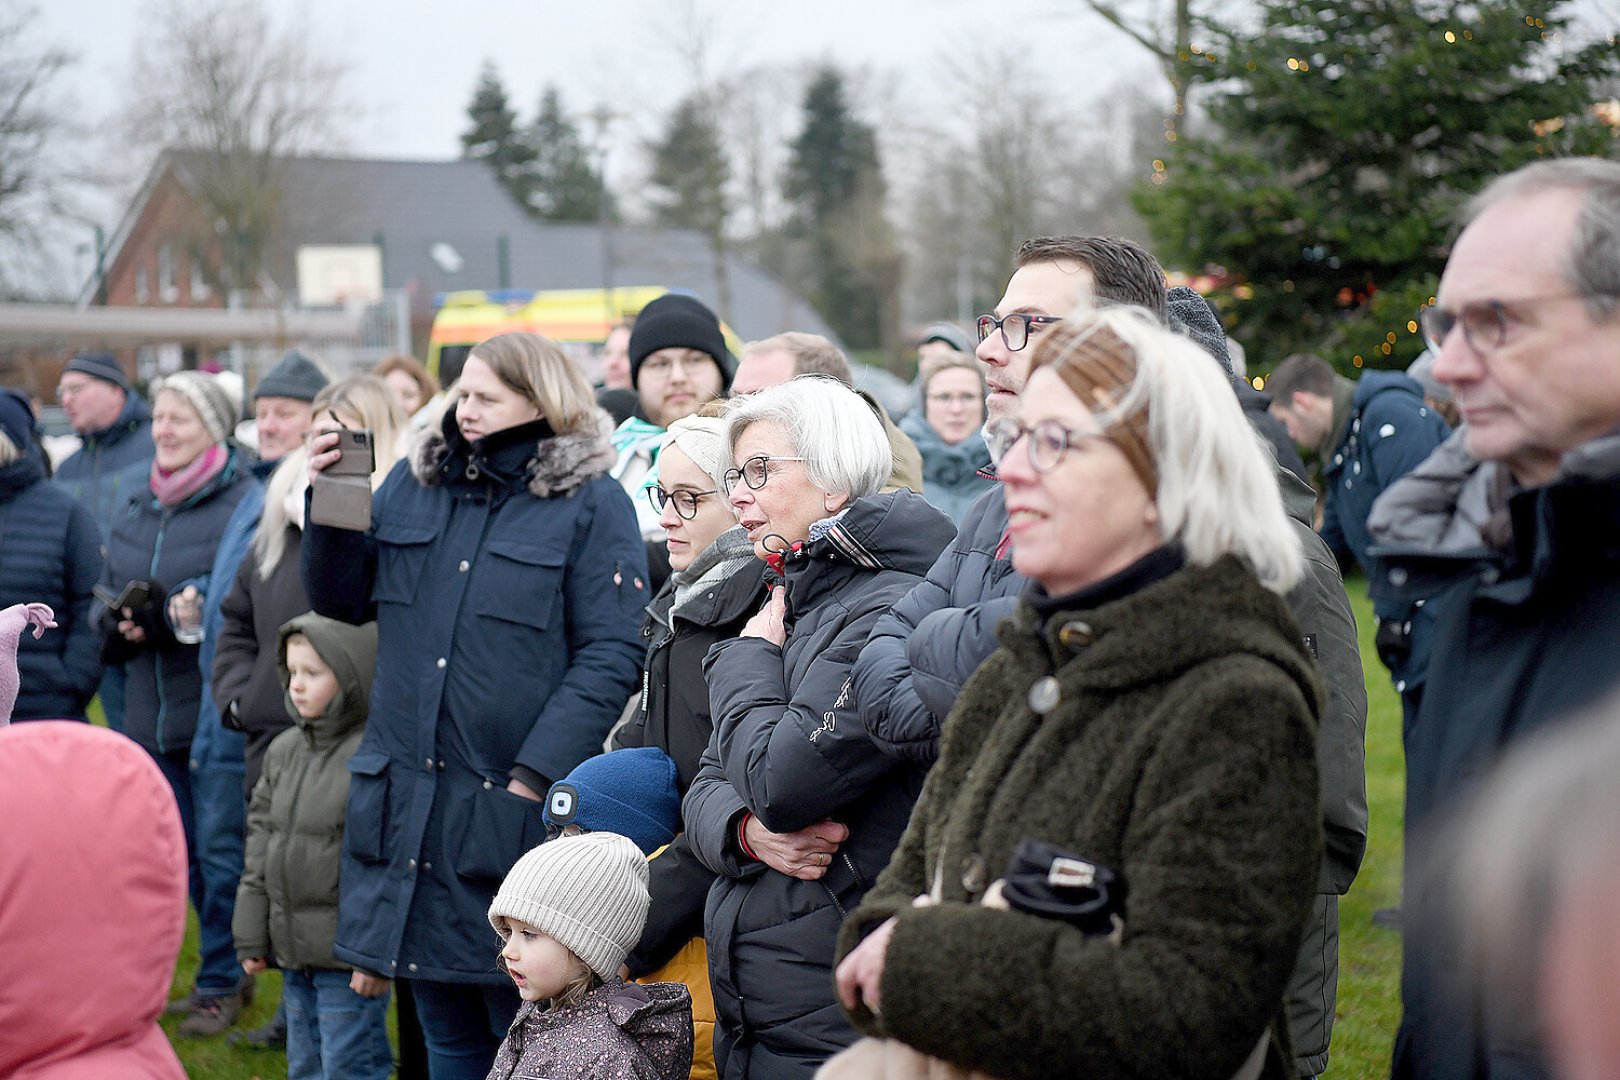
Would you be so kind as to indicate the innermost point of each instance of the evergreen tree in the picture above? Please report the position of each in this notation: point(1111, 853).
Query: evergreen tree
point(567, 186)
point(494, 139)
point(835, 186)
point(1347, 133)
point(689, 178)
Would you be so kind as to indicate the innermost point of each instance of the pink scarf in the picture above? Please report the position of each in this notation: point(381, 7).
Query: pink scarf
point(174, 488)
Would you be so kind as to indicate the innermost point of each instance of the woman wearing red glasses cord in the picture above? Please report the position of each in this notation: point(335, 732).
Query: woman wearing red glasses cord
point(794, 806)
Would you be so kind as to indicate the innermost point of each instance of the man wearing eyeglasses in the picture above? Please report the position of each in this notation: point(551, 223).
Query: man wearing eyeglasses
point(922, 652)
point(1367, 435)
point(1516, 516)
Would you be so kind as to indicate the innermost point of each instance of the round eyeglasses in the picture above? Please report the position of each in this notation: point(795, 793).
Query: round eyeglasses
point(686, 502)
point(1484, 323)
point(754, 472)
point(1014, 328)
point(1045, 442)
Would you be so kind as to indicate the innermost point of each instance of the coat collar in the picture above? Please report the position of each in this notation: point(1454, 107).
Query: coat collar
point(557, 465)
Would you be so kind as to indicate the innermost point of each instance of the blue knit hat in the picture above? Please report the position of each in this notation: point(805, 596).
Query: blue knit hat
point(630, 792)
point(16, 418)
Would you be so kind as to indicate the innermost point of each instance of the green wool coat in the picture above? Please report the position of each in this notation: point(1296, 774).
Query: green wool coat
point(1181, 752)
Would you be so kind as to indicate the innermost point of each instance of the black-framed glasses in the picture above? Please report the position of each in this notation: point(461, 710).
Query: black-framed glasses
point(686, 502)
point(754, 472)
point(1045, 442)
point(1484, 322)
point(1014, 328)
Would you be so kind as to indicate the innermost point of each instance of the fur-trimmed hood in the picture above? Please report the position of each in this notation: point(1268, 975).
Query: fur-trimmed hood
point(557, 465)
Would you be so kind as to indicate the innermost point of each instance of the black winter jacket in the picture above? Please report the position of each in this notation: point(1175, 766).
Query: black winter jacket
point(50, 553)
point(1527, 602)
point(674, 717)
point(789, 748)
point(170, 548)
point(244, 673)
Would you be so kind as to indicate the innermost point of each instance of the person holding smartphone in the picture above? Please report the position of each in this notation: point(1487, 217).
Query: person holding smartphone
point(506, 574)
point(161, 544)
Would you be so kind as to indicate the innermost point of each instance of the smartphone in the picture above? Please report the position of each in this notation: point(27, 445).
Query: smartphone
point(135, 596)
point(340, 497)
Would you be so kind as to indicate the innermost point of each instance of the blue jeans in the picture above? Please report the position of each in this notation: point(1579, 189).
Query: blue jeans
point(463, 1025)
point(216, 768)
point(332, 1032)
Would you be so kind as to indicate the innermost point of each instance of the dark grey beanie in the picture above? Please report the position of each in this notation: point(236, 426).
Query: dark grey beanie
point(294, 376)
point(103, 366)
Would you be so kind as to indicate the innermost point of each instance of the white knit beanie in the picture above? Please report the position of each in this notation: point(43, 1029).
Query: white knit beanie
point(703, 439)
point(210, 400)
point(587, 891)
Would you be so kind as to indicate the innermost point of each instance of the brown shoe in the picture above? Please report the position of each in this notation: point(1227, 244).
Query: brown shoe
point(211, 1016)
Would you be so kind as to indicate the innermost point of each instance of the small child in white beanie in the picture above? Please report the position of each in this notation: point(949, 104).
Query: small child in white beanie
point(569, 912)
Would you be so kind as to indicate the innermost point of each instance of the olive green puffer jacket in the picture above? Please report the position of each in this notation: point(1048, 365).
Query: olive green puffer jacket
point(287, 902)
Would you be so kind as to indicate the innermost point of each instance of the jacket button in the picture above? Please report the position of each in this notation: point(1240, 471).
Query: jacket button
point(410, 864)
point(973, 875)
point(441, 764)
point(1044, 695)
point(488, 785)
point(1076, 635)
point(463, 566)
point(411, 965)
point(393, 965)
point(1397, 577)
point(428, 764)
point(426, 867)
point(441, 663)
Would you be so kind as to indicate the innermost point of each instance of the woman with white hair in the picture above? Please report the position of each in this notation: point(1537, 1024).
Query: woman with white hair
point(1110, 870)
point(794, 807)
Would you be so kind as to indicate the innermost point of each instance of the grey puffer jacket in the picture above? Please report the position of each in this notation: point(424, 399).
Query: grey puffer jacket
point(618, 1031)
point(287, 902)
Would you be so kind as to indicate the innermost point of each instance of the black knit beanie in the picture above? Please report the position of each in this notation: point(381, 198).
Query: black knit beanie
point(674, 321)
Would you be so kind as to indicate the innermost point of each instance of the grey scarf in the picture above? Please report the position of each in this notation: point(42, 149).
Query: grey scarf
point(730, 552)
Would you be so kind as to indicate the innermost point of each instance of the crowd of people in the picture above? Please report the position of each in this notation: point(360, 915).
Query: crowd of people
point(711, 721)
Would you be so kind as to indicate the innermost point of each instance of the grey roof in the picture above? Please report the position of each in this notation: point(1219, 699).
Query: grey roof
point(411, 206)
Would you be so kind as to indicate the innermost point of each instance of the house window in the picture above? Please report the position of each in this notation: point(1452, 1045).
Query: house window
point(199, 280)
point(143, 291)
point(168, 284)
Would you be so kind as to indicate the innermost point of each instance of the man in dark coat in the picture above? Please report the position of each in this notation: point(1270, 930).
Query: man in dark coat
point(1517, 516)
point(110, 467)
point(922, 652)
point(1367, 435)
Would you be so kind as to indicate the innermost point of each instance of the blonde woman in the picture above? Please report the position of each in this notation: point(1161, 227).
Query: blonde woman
point(508, 579)
point(268, 589)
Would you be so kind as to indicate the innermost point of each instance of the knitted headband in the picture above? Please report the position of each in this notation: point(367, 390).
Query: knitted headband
point(203, 392)
point(703, 439)
point(1100, 369)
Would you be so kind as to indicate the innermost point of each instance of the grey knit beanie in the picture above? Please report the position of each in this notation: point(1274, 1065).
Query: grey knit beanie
point(207, 396)
point(587, 891)
point(294, 376)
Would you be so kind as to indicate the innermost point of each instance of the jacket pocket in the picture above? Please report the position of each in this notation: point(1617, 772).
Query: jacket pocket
point(366, 821)
point(402, 555)
point(490, 828)
point(521, 582)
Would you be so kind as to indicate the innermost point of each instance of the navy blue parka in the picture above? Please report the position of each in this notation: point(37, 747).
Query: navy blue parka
point(507, 579)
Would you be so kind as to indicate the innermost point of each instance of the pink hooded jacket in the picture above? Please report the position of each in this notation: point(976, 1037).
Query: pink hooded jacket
point(92, 905)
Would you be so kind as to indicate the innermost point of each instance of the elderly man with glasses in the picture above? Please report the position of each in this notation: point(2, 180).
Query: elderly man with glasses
point(1516, 518)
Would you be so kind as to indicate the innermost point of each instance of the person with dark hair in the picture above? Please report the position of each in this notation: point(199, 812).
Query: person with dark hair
point(1366, 435)
point(925, 648)
point(52, 556)
point(507, 580)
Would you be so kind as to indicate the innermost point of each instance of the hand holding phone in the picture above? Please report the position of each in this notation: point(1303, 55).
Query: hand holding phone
point(340, 493)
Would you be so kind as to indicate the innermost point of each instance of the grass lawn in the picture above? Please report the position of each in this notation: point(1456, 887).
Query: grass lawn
point(1369, 958)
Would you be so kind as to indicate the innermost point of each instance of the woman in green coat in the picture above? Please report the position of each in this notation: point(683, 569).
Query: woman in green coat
point(1152, 713)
